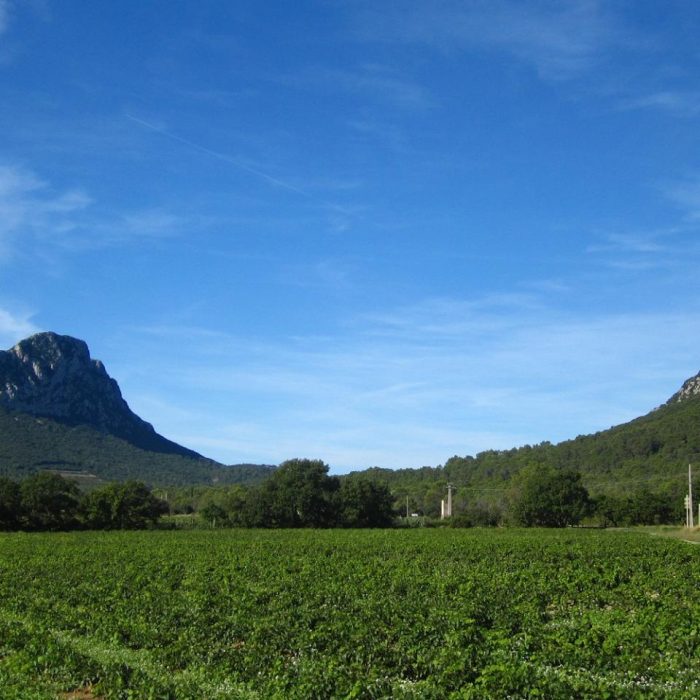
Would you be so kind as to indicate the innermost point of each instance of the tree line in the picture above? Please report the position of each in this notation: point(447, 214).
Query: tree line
point(545, 496)
point(300, 493)
point(47, 501)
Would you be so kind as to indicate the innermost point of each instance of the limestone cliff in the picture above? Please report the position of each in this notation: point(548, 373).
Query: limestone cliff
point(53, 376)
point(689, 390)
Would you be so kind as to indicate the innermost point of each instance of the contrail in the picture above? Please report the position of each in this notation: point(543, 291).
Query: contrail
point(221, 156)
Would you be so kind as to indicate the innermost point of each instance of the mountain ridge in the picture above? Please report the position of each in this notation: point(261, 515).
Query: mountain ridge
point(54, 376)
point(60, 409)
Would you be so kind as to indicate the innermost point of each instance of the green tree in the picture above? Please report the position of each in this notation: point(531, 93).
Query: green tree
point(647, 508)
point(214, 514)
point(544, 496)
point(10, 504)
point(49, 502)
point(610, 511)
point(256, 510)
point(641, 507)
point(298, 494)
point(480, 513)
point(365, 503)
point(126, 506)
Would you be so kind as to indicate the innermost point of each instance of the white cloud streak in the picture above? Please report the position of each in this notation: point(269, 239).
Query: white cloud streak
point(14, 327)
point(33, 214)
point(4, 15)
point(673, 246)
point(419, 384)
point(383, 83)
point(686, 195)
point(560, 39)
point(29, 208)
point(676, 102)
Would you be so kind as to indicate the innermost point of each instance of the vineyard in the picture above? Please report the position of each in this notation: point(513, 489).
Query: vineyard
point(348, 614)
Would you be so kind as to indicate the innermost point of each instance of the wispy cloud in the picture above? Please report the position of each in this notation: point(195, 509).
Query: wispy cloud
point(29, 207)
point(379, 131)
point(14, 326)
point(560, 39)
point(671, 246)
point(304, 190)
point(374, 83)
point(10, 49)
point(35, 213)
point(123, 228)
point(641, 243)
point(329, 275)
point(440, 318)
point(4, 15)
point(417, 384)
point(236, 161)
point(640, 252)
point(676, 102)
point(381, 82)
point(686, 195)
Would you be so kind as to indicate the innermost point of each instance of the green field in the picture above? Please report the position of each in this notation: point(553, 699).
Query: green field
point(349, 614)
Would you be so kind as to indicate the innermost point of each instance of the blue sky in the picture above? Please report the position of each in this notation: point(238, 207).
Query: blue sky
point(368, 232)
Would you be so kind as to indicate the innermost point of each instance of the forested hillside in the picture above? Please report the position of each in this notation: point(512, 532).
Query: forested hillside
point(29, 443)
point(650, 453)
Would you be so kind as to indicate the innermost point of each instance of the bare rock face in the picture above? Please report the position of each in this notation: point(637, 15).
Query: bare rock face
point(689, 390)
point(54, 376)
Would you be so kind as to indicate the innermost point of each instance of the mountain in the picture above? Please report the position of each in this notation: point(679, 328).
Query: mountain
point(54, 376)
point(59, 409)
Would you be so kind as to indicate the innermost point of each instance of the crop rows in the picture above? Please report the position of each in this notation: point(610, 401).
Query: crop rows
point(349, 614)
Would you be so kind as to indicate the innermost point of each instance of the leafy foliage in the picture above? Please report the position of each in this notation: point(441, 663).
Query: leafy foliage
point(653, 450)
point(10, 504)
point(299, 494)
point(30, 444)
point(365, 503)
point(639, 507)
point(412, 614)
point(548, 497)
point(127, 506)
point(645, 460)
point(47, 501)
point(635, 472)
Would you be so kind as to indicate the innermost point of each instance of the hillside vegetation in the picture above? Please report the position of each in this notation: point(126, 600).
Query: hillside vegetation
point(654, 450)
point(30, 443)
point(650, 453)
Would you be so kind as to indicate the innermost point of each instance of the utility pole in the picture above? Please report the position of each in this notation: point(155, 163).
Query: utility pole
point(446, 506)
point(690, 497)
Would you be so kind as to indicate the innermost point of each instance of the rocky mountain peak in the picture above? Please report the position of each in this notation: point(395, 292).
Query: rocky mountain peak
point(689, 390)
point(53, 376)
point(44, 354)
